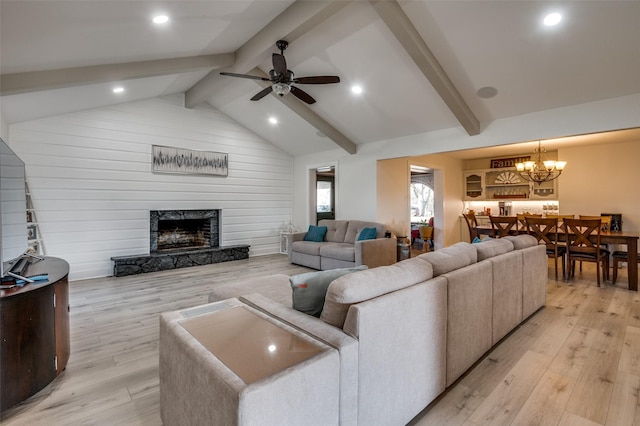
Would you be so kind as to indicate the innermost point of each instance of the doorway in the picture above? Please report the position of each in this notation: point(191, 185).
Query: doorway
point(325, 193)
point(422, 195)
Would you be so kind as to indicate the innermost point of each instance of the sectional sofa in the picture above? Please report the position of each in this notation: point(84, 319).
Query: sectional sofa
point(342, 248)
point(403, 333)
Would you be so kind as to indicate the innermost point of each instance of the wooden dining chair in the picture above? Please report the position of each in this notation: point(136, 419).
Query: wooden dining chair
point(619, 256)
point(561, 218)
point(606, 225)
point(503, 225)
point(546, 232)
point(522, 224)
point(472, 223)
point(581, 248)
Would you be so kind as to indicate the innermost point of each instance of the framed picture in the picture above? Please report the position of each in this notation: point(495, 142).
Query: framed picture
point(187, 161)
point(32, 232)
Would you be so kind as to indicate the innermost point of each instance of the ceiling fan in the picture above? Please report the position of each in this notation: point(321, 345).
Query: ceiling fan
point(283, 78)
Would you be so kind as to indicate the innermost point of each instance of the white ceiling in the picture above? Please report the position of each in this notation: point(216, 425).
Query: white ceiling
point(593, 54)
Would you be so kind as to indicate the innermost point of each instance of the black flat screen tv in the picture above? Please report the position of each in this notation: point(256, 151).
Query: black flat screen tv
point(13, 216)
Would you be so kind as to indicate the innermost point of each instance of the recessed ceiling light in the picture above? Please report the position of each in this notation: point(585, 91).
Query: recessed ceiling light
point(552, 19)
point(273, 120)
point(160, 19)
point(356, 89)
point(118, 90)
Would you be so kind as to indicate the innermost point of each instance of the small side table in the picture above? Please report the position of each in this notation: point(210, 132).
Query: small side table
point(228, 363)
point(285, 239)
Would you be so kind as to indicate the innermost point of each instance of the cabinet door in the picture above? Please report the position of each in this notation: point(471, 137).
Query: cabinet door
point(545, 190)
point(27, 347)
point(474, 186)
point(63, 339)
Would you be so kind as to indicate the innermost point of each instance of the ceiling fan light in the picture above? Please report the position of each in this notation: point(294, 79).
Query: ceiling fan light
point(281, 89)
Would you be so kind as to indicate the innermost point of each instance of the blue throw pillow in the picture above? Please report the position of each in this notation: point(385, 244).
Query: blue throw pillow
point(477, 240)
point(368, 234)
point(315, 233)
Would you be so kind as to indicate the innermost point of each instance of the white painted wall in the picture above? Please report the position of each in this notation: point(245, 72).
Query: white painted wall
point(357, 189)
point(92, 186)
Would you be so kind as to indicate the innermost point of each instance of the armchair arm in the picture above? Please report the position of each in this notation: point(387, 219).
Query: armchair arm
point(378, 252)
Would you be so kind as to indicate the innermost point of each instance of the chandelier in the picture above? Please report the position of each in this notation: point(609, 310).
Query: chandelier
point(539, 169)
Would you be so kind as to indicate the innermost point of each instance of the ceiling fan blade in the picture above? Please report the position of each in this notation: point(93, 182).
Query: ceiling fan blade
point(280, 64)
point(252, 77)
point(320, 79)
point(302, 95)
point(261, 94)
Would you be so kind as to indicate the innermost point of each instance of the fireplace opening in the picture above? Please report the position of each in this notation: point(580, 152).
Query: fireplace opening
point(178, 230)
point(185, 233)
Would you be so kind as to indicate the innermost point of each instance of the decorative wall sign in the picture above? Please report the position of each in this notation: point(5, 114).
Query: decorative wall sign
point(187, 161)
point(503, 163)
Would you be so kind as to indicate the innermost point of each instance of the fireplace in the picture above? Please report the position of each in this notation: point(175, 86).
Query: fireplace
point(180, 230)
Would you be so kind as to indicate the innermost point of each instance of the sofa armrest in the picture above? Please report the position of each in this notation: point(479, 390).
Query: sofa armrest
point(296, 236)
point(378, 252)
point(346, 346)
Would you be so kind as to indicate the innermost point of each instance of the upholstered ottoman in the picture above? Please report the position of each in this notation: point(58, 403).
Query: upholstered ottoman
point(226, 363)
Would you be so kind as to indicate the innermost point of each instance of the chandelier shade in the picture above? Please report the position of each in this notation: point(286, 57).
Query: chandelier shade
point(540, 169)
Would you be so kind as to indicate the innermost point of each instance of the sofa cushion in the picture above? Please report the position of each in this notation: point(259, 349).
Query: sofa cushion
point(367, 234)
point(336, 229)
point(493, 247)
point(365, 285)
point(309, 289)
point(315, 233)
point(340, 251)
point(355, 226)
point(522, 241)
point(307, 247)
point(450, 258)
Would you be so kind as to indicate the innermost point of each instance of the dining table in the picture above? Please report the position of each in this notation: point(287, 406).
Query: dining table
point(629, 238)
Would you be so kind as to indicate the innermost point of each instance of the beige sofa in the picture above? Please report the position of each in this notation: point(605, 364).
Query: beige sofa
point(341, 248)
point(407, 331)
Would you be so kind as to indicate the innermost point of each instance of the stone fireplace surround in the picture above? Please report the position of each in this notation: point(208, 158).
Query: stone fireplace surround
point(171, 252)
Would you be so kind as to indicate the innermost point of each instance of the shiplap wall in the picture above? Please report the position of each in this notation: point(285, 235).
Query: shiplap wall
point(91, 183)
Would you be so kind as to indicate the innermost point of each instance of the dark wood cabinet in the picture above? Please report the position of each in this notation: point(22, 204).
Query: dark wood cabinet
point(34, 332)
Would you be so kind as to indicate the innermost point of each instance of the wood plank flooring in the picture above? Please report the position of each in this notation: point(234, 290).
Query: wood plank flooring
point(574, 362)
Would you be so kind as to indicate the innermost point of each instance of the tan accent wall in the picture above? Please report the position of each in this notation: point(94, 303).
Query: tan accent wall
point(393, 178)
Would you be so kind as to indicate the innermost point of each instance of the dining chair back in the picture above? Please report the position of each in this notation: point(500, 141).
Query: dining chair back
point(522, 224)
point(546, 232)
point(581, 247)
point(605, 220)
point(472, 223)
point(503, 225)
point(561, 218)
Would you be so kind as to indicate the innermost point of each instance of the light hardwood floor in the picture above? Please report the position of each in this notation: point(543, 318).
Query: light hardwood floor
point(574, 362)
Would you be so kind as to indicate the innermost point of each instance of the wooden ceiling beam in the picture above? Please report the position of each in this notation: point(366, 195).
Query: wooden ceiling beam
point(11, 84)
point(404, 30)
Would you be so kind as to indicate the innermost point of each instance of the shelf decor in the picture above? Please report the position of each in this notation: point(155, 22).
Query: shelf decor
point(187, 161)
point(540, 169)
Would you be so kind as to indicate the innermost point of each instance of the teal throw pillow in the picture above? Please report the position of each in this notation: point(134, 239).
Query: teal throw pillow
point(310, 289)
point(315, 233)
point(368, 234)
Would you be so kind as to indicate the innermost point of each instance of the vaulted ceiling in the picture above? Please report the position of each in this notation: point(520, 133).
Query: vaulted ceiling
point(422, 65)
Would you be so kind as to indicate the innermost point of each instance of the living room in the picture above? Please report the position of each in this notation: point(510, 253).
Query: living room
point(89, 166)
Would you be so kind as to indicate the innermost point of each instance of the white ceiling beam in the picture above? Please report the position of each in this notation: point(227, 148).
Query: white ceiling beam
point(11, 84)
point(296, 20)
point(402, 28)
point(307, 114)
